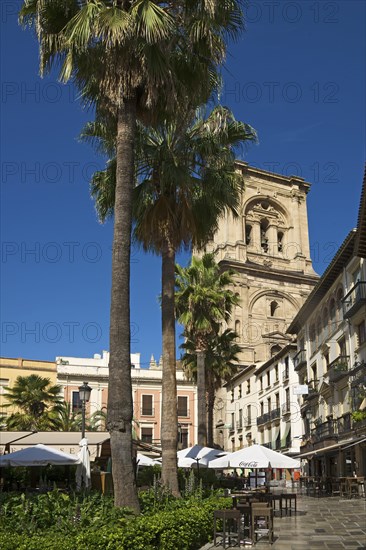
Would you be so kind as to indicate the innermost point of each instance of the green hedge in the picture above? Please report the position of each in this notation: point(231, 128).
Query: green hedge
point(187, 526)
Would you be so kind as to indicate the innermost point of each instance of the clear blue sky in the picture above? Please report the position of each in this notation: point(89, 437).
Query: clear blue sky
point(297, 76)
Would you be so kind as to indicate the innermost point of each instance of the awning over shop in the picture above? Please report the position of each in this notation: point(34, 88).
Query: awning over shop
point(67, 442)
point(324, 449)
point(6, 438)
point(356, 442)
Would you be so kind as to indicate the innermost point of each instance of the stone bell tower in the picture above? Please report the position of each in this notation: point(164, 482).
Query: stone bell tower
point(268, 246)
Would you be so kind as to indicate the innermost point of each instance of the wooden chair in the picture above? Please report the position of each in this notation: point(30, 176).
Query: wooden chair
point(227, 524)
point(343, 487)
point(262, 522)
point(361, 486)
point(353, 488)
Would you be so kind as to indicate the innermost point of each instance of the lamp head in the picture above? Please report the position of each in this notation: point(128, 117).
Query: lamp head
point(84, 392)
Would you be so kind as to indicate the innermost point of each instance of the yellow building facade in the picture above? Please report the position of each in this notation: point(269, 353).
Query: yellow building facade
point(11, 368)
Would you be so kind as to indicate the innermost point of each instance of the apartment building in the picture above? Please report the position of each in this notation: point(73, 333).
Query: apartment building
point(331, 361)
point(146, 391)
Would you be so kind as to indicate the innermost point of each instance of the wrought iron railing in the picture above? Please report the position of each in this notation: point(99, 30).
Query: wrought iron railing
point(300, 359)
point(354, 299)
point(313, 393)
point(338, 368)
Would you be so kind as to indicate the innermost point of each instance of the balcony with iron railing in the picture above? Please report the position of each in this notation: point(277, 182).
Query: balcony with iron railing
point(358, 374)
point(344, 423)
point(275, 413)
point(247, 421)
point(354, 299)
point(260, 420)
point(313, 393)
point(324, 430)
point(338, 368)
point(300, 360)
point(239, 424)
point(331, 428)
point(286, 408)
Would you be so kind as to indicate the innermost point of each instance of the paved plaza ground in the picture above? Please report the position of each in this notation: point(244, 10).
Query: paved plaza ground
point(329, 523)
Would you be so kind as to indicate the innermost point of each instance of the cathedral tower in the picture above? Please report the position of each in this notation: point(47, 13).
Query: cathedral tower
point(268, 246)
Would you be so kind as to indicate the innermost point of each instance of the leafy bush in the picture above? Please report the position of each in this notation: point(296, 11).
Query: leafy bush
point(58, 511)
point(55, 520)
point(358, 416)
point(186, 527)
point(147, 475)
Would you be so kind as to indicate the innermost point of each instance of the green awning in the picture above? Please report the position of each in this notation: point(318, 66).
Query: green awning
point(285, 434)
point(275, 434)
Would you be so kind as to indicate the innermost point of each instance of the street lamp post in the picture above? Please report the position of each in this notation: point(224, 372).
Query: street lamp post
point(84, 396)
point(309, 416)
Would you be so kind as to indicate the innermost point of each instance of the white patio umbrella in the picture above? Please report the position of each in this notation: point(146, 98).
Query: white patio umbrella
point(83, 469)
point(254, 457)
point(143, 460)
point(38, 455)
point(197, 456)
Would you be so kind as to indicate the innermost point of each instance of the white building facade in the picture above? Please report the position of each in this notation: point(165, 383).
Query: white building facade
point(331, 361)
point(262, 406)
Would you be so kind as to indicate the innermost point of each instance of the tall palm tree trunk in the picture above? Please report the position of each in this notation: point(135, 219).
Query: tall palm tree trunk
point(201, 399)
point(210, 406)
point(120, 405)
point(169, 414)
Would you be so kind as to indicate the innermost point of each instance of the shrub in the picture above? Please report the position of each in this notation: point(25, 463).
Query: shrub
point(90, 522)
point(358, 416)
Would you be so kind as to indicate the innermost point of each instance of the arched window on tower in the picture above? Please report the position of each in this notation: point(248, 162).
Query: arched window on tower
point(264, 238)
point(248, 234)
point(237, 330)
point(273, 308)
point(280, 241)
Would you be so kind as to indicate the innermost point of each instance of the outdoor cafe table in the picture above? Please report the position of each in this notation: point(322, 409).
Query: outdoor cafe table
point(352, 486)
point(246, 498)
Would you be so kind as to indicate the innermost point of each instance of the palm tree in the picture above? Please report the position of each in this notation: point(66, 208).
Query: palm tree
point(67, 419)
point(134, 59)
point(203, 301)
point(220, 365)
point(37, 401)
point(186, 179)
